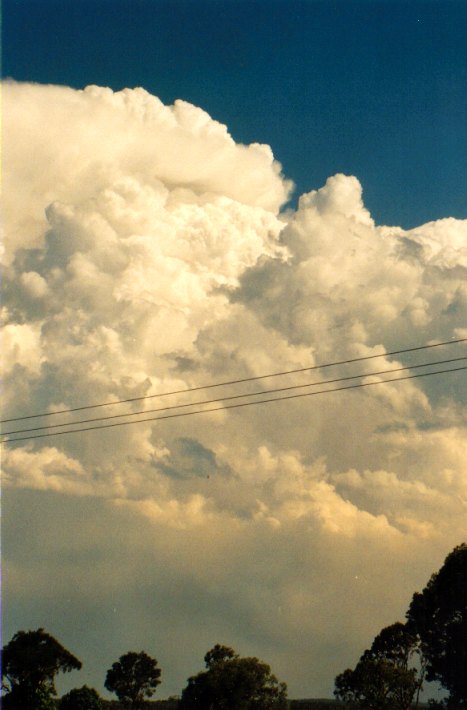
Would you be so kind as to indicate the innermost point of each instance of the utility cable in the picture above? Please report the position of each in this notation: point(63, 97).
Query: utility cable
point(233, 382)
point(232, 397)
point(236, 406)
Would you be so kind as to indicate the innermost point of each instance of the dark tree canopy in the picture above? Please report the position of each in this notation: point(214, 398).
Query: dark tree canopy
point(435, 632)
point(134, 677)
point(81, 699)
point(377, 685)
point(439, 616)
point(219, 653)
point(395, 644)
point(30, 662)
point(382, 679)
point(233, 683)
point(25, 698)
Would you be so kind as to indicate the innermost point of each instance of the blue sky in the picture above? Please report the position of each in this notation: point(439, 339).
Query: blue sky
point(371, 88)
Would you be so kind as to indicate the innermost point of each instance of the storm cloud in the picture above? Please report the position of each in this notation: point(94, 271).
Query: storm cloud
point(146, 252)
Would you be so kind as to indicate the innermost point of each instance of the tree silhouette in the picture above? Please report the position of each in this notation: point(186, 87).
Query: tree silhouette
point(233, 683)
point(30, 662)
point(133, 677)
point(439, 616)
point(81, 699)
point(382, 679)
point(219, 653)
point(435, 632)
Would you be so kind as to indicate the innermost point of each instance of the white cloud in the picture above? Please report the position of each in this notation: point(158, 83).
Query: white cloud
point(21, 347)
point(47, 469)
point(92, 138)
point(145, 254)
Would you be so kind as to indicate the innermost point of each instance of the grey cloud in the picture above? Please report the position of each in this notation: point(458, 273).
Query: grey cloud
point(189, 458)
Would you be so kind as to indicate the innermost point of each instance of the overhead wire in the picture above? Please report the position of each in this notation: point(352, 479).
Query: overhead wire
point(233, 382)
point(232, 397)
point(237, 405)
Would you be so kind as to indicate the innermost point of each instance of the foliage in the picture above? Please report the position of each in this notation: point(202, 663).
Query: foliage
point(81, 699)
point(315, 704)
point(27, 698)
point(218, 654)
point(30, 661)
point(233, 683)
point(439, 616)
point(436, 631)
point(382, 679)
point(395, 644)
point(169, 704)
point(133, 677)
point(376, 685)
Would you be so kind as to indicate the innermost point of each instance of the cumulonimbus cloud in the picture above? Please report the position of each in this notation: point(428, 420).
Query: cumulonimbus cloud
point(146, 252)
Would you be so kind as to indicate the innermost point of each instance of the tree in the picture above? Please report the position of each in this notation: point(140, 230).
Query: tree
point(81, 699)
point(28, 699)
point(233, 683)
point(30, 662)
point(219, 653)
point(133, 677)
point(395, 644)
point(376, 685)
point(439, 616)
point(398, 645)
point(382, 679)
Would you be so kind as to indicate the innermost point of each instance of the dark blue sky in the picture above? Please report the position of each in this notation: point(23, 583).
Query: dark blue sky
point(374, 88)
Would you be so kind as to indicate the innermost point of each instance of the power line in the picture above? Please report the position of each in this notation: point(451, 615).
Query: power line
point(232, 397)
point(232, 382)
point(236, 406)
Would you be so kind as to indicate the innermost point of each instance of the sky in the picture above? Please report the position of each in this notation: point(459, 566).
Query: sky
point(368, 88)
point(204, 192)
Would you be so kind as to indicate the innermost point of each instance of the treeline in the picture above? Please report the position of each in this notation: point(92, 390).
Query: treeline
point(430, 646)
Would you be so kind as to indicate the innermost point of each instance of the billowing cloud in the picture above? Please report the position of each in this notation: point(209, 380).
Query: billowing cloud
point(146, 253)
